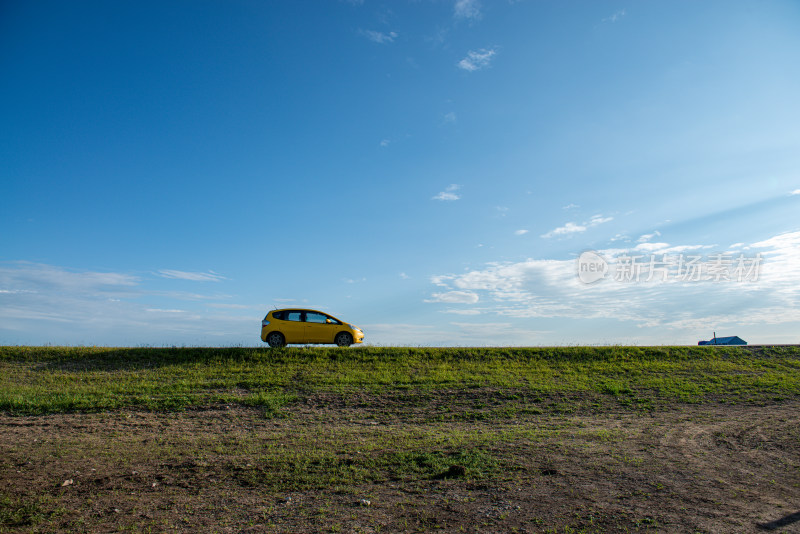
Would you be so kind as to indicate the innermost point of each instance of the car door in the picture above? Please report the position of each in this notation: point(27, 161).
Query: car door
point(293, 326)
point(318, 328)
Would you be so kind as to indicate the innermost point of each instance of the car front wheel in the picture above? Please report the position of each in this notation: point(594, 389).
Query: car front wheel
point(276, 339)
point(343, 339)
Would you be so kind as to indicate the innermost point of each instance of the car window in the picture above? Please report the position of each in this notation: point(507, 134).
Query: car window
point(312, 317)
point(279, 315)
point(293, 316)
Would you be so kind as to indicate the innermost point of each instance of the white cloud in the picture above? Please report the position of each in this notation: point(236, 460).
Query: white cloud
point(550, 288)
point(450, 118)
point(647, 237)
point(467, 9)
point(574, 228)
point(385, 142)
point(210, 276)
point(379, 37)
point(51, 304)
point(455, 297)
point(598, 219)
point(521, 232)
point(476, 60)
point(449, 193)
point(795, 192)
point(30, 277)
point(665, 248)
point(569, 228)
point(404, 276)
point(570, 206)
point(462, 312)
point(615, 17)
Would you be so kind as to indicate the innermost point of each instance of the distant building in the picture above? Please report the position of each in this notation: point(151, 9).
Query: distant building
point(731, 340)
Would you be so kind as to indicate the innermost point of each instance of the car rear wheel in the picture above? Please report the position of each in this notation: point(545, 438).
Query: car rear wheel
point(343, 339)
point(276, 339)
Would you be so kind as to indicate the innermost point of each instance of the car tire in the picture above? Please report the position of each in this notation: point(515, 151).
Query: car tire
point(276, 340)
point(343, 339)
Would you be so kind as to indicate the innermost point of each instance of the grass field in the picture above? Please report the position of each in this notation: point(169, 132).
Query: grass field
point(577, 439)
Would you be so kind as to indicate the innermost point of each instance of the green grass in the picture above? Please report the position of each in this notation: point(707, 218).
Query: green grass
point(16, 512)
point(41, 380)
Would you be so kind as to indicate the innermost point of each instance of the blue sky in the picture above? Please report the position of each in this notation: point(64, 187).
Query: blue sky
point(428, 170)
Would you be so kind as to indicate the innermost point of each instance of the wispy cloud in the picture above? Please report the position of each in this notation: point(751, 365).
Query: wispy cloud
point(615, 17)
point(22, 276)
point(449, 193)
point(569, 228)
point(666, 248)
point(477, 59)
point(47, 303)
point(467, 10)
point(598, 219)
point(458, 311)
point(644, 238)
point(379, 37)
point(449, 118)
point(210, 276)
point(520, 232)
point(795, 192)
point(575, 228)
point(385, 142)
point(550, 288)
point(570, 206)
point(455, 297)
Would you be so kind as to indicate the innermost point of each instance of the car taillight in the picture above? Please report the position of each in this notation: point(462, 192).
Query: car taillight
point(264, 322)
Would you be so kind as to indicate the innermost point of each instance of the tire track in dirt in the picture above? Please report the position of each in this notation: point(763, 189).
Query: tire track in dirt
point(737, 462)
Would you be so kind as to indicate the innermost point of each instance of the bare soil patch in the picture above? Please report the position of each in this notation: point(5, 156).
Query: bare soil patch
point(407, 462)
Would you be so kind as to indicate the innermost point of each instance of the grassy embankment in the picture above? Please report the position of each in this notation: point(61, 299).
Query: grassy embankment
point(42, 380)
point(330, 419)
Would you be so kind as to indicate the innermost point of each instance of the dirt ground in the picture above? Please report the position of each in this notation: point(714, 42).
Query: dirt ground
point(682, 468)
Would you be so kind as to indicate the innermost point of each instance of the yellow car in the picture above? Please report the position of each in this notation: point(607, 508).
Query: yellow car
point(281, 327)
